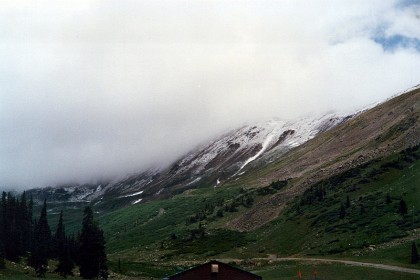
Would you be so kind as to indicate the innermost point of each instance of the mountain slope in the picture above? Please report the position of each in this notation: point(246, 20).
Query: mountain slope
point(353, 211)
point(305, 150)
point(188, 226)
point(385, 129)
point(220, 161)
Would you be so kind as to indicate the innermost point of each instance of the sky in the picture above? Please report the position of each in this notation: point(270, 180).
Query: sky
point(97, 89)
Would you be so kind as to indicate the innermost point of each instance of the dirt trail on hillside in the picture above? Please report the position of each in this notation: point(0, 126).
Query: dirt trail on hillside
point(413, 236)
point(354, 263)
point(346, 262)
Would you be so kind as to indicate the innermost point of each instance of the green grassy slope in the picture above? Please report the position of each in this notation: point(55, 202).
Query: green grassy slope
point(289, 270)
point(150, 223)
point(312, 224)
point(151, 239)
point(158, 231)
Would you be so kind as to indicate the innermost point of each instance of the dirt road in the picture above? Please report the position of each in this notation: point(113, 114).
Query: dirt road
point(355, 263)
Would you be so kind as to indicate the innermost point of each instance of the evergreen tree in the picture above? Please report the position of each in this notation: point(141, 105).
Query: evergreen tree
point(24, 225)
point(414, 254)
point(342, 211)
point(65, 262)
point(388, 199)
point(30, 208)
point(41, 247)
point(62, 250)
point(12, 236)
point(347, 202)
point(402, 209)
point(73, 245)
point(92, 256)
point(2, 263)
point(59, 237)
point(362, 209)
point(15, 227)
point(3, 227)
point(2, 253)
point(2, 249)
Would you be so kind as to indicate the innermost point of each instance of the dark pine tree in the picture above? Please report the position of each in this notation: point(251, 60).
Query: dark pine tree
point(347, 202)
point(41, 247)
point(24, 225)
point(31, 208)
point(62, 250)
point(362, 209)
point(414, 254)
point(402, 208)
point(59, 238)
point(73, 244)
point(2, 248)
point(12, 235)
point(65, 262)
point(92, 256)
point(342, 211)
point(388, 199)
point(2, 263)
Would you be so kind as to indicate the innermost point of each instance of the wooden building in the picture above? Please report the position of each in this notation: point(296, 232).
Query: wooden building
point(214, 270)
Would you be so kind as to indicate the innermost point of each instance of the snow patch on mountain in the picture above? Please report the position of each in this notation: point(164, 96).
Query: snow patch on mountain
point(133, 194)
point(410, 89)
point(372, 105)
point(137, 201)
point(264, 147)
point(193, 181)
point(251, 142)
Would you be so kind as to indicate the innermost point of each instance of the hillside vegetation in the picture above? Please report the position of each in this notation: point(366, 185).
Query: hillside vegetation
point(192, 226)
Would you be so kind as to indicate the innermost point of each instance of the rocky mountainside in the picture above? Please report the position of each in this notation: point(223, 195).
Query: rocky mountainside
point(305, 150)
point(382, 130)
point(226, 158)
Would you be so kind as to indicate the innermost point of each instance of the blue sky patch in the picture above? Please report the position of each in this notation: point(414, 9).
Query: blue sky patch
point(405, 3)
point(397, 41)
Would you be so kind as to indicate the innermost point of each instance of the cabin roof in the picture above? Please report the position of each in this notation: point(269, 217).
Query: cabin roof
point(209, 263)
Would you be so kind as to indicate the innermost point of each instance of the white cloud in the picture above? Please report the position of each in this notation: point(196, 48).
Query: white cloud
point(97, 88)
point(406, 22)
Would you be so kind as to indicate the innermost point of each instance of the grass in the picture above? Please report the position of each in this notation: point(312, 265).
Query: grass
point(312, 226)
point(141, 269)
point(289, 270)
point(155, 221)
point(162, 231)
point(396, 255)
point(211, 244)
point(19, 271)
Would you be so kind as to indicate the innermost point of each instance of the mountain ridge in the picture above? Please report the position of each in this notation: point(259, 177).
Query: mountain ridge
point(305, 150)
point(384, 129)
point(222, 159)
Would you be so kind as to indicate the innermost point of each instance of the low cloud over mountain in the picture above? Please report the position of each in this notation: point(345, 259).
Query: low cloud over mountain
point(97, 89)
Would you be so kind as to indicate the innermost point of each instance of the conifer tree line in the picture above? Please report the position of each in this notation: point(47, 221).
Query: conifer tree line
point(24, 239)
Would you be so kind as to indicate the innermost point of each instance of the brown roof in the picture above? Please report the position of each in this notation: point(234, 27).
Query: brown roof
point(224, 272)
